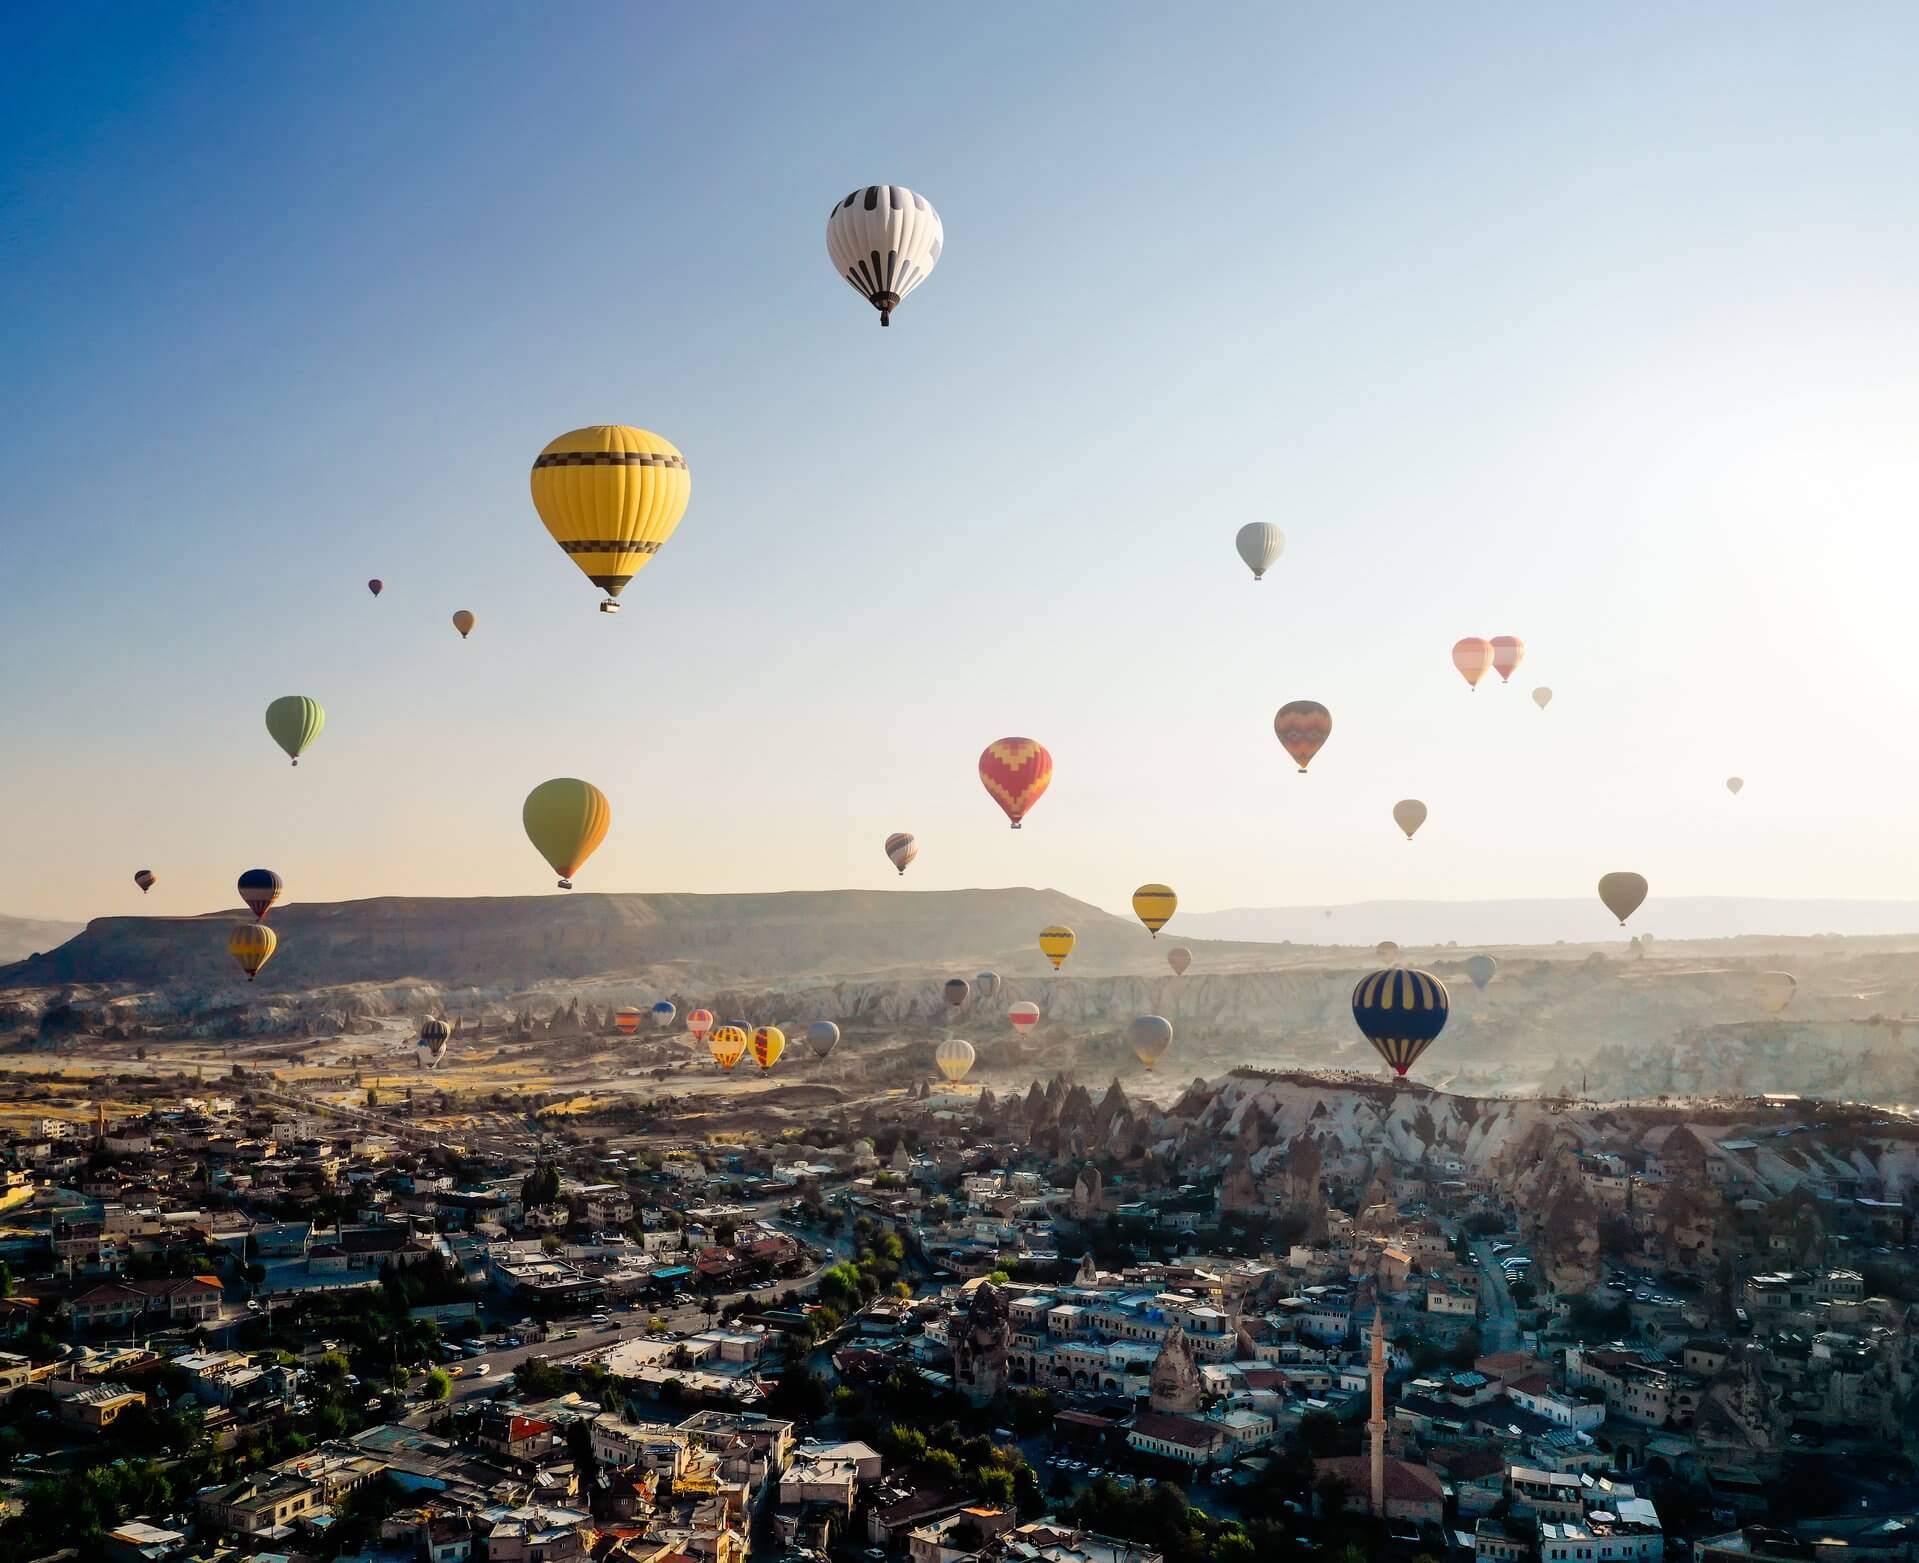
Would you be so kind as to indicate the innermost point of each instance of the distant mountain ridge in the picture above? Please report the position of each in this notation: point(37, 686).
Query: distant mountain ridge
point(24, 936)
point(1532, 922)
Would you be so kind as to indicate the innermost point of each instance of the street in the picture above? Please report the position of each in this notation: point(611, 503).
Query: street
point(1499, 1325)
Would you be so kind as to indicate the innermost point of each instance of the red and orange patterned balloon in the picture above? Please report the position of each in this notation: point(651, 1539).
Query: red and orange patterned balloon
point(1302, 726)
point(1017, 772)
point(1472, 656)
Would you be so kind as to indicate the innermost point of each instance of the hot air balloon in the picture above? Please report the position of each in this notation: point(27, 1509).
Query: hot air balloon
point(1409, 814)
point(1149, 1036)
point(376, 586)
point(260, 888)
point(433, 1039)
point(901, 849)
point(1776, 989)
point(293, 722)
point(1386, 950)
point(1024, 1016)
point(699, 1022)
point(1622, 894)
point(1179, 958)
point(954, 1059)
point(1542, 697)
point(1302, 727)
point(611, 496)
point(956, 990)
point(252, 945)
point(1472, 656)
point(1734, 784)
point(767, 1044)
point(885, 240)
point(1508, 652)
point(986, 984)
point(145, 879)
point(1481, 968)
point(1154, 906)
point(565, 820)
point(1260, 544)
point(822, 1037)
point(1056, 942)
point(1017, 772)
point(627, 1021)
point(464, 622)
point(727, 1045)
point(663, 1014)
point(1400, 1011)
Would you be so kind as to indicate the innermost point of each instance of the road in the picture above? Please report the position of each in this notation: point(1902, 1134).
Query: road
point(1499, 1324)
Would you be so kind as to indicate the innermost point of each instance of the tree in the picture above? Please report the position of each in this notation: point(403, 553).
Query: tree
point(6, 1279)
point(1319, 1434)
point(439, 1386)
point(801, 1395)
point(372, 1099)
point(541, 1186)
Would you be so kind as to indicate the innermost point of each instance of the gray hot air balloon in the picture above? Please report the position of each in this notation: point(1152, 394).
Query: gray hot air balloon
point(1179, 958)
point(1149, 1036)
point(956, 990)
point(822, 1037)
point(1409, 814)
point(988, 984)
point(1260, 544)
point(1622, 894)
point(1481, 968)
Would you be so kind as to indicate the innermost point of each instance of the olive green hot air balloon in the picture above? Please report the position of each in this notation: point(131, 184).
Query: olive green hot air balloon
point(293, 722)
point(1481, 968)
point(566, 819)
point(1622, 893)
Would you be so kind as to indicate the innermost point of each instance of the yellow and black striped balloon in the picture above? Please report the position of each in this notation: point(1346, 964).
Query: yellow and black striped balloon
point(611, 496)
point(1401, 1011)
point(252, 945)
point(1154, 906)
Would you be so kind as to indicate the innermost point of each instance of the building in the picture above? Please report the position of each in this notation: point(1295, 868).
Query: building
point(1185, 1439)
point(259, 1502)
point(92, 1406)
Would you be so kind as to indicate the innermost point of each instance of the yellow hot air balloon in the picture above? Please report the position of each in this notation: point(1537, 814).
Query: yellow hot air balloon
point(1622, 894)
point(464, 621)
point(768, 1043)
point(1154, 906)
point(1409, 814)
point(1056, 942)
point(611, 496)
point(954, 1059)
point(252, 945)
point(1776, 989)
point(565, 820)
point(727, 1044)
point(293, 722)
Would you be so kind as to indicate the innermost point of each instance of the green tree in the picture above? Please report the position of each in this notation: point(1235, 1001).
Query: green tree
point(439, 1386)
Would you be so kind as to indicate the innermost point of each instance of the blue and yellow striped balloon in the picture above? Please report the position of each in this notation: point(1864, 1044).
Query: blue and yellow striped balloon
point(1401, 1011)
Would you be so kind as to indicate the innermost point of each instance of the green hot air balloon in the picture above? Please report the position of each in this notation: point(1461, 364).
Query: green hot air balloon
point(293, 722)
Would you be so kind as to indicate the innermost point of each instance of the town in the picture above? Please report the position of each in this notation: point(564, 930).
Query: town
point(1281, 1316)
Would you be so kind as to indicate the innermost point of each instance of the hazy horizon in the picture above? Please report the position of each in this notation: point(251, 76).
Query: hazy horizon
point(1594, 329)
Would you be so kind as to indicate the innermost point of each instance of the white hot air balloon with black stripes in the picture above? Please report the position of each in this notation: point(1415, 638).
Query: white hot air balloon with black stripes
point(885, 240)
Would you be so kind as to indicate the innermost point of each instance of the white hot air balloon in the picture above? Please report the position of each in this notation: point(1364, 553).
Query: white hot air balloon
point(1542, 697)
point(954, 1059)
point(1260, 544)
point(1734, 784)
point(885, 240)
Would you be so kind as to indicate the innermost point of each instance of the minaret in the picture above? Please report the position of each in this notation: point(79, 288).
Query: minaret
point(1376, 1425)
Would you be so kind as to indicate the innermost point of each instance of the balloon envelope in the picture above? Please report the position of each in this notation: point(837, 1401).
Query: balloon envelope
point(768, 1043)
point(956, 990)
point(1154, 906)
point(1409, 814)
point(1260, 544)
point(1056, 942)
point(901, 849)
point(727, 1045)
point(293, 722)
point(1508, 652)
point(1016, 773)
point(1386, 950)
point(954, 1059)
point(627, 1021)
point(1149, 1036)
point(987, 983)
point(611, 495)
point(435, 1032)
point(1481, 968)
point(252, 945)
point(1542, 697)
point(146, 879)
point(885, 240)
point(822, 1037)
point(1776, 989)
point(1472, 656)
point(1400, 1011)
point(663, 1014)
point(260, 888)
point(1302, 727)
point(566, 819)
point(1023, 1015)
point(1734, 784)
point(1179, 958)
point(464, 622)
point(376, 587)
point(1622, 894)
point(699, 1022)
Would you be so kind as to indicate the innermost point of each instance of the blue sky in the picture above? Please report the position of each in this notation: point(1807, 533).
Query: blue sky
point(1595, 329)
